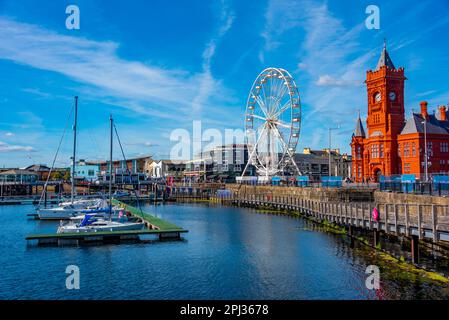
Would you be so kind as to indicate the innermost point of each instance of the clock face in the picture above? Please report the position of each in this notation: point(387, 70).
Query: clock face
point(378, 97)
point(392, 96)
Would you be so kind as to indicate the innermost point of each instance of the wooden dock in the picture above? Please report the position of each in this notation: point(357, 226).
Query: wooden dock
point(155, 226)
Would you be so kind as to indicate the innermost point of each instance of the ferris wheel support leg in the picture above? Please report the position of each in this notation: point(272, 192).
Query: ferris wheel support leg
point(254, 150)
point(286, 148)
point(244, 170)
point(249, 159)
point(296, 166)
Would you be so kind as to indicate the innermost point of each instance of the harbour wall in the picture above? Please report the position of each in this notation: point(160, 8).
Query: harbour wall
point(310, 193)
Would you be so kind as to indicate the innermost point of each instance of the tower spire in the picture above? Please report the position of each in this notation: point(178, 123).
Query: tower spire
point(359, 131)
point(385, 59)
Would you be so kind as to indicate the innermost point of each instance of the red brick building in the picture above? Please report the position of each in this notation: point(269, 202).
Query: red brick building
point(393, 145)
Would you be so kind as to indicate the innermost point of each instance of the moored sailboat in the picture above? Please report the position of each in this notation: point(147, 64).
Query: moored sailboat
point(90, 223)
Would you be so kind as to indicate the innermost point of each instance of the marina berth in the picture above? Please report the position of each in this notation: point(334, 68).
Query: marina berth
point(91, 223)
point(70, 210)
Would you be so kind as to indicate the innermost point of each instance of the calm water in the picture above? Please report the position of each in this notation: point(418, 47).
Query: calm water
point(229, 253)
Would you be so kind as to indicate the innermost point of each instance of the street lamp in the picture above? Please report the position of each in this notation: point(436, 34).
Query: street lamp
point(330, 147)
point(426, 168)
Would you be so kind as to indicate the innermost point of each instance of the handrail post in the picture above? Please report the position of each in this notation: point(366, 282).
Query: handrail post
point(434, 223)
point(407, 229)
point(395, 207)
point(420, 233)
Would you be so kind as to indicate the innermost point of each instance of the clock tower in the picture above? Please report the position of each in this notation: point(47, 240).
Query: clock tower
point(385, 88)
point(385, 120)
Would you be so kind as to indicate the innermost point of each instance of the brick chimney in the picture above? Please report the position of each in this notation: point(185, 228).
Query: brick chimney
point(424, 110)
point(442, 113)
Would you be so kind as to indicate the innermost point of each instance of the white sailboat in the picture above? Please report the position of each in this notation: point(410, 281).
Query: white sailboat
point(90, 223)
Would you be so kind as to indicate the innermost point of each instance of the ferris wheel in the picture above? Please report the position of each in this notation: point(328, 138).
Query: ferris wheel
point(272, 122)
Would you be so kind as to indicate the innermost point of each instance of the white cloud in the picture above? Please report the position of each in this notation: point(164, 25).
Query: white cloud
point(142, 88)
point(143, 144)
point(36, 92)
point(327, 80)
point(4, 147)
point(9, 134)
point(426, 93)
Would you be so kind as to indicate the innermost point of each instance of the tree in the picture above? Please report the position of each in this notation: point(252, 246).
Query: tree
point(67, 175)
point(56, 175)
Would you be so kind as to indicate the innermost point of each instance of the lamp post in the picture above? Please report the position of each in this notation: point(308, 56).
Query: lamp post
point(330, 147)
point(426, 166)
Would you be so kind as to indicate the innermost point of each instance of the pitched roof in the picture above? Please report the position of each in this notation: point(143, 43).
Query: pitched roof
point(384, 59)
point(18, 171)
point(309, 158)
point(433, 126)
point(359, 131)
point(37, 167)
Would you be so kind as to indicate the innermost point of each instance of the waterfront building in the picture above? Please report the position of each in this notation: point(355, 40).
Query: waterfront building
point(40, 169)
point(341, 163)
point(86, 171)
point(131, 171)
point(18, 176)
point(229, 161)
point(221, 163)
point(392, 145)
point(132, 165)
point(198, 169)
point(166, 168)
point(309, 165)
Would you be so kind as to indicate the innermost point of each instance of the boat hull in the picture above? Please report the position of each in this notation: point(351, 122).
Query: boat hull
point(109, 228)
point(56, 214)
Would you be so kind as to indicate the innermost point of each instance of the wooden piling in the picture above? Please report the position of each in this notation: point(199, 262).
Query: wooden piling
point(415, 248)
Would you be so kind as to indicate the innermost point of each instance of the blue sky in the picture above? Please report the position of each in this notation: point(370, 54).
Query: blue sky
point(159, 65)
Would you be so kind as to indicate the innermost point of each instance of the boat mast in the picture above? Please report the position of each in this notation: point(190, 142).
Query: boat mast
point(74, 151)
point(110, 166)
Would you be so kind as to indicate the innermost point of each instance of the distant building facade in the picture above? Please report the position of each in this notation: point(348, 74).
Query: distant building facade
point(19, 176)
point(221, 163)
point(341, 163)
point(41, 170)
point(131, 171)
point(86, 171)
point(310, 165)
point(167, 168)
point(132, 165)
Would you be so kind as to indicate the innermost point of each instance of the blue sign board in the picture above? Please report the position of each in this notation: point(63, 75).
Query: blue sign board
point(408, 181)
point(302, 181)
point(441, 179)
point(275, 181)
point(331, 182)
